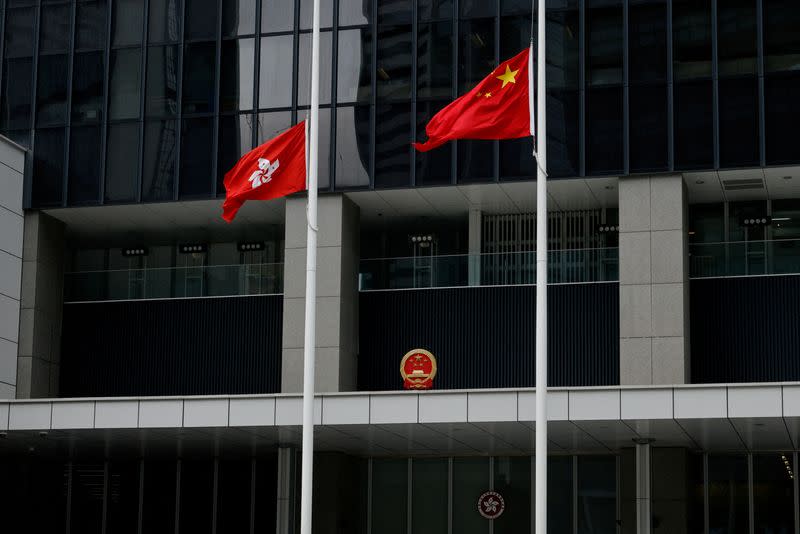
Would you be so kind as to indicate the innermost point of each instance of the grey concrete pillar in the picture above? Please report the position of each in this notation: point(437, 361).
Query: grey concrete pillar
point(653, 281)
point(41, 308)
point(287, 479)
point(475, 239)
point(337, 294)
point(12, 168)
point(643, 500)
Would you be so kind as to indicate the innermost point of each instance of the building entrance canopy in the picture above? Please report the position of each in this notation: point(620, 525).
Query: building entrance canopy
point(723, 418)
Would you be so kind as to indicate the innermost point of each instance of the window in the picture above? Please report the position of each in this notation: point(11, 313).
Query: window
point(604, 131)
point(394, 12)
point(48, 167)
point(54, 29)
point(781, 39)
point(562, 50)
point(604, 45)
point(691, 38)
point(233, 497)
point(122, 502)
point(390, 496)
point(158, 166)
point(435, 60)
point(470, 477)
point(648, 128)
point(201, 19)
point(782, 110)
point(727, 494)
point(394, 62)
point(434, 167)
point(125, 83)
point(559, 489)
point(773, 492)
point(324, 173)
point(158, 503)
point(236, 80)
point(352, 146)
point(162, 81)
point(19, 32)
point(737, 37)
point(562, 133)
point(277, 15)
point(197, 137)
point(238, 17)
point(84, 165)
point(86, 498)
point(597, 494)
point(304, 66)
point(235, 139)
point(90, 19)
point(512, 479)
point(516, 160)
point(199, 65)
point(647, 42)
point(475, 161)
point(275, 91)
point(122, 162)
point(354, 12)
point(127, 20)
point(197, 496)
point(392, 145)
point(434, 9)
point(738, 122)
point(271, 124)
point(51, 94)
point(476, 9)
point(429, 494)
point(87, 87)
point(354, 67)
point(325, 14)
point(16, 93)
point(476, 52)
point(693, 126)
point(164, 20)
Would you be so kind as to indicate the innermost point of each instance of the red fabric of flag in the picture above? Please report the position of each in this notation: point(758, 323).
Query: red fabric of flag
point(275, 169)
point(497, 108)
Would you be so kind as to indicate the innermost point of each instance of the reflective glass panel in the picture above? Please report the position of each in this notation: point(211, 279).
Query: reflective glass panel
point(515, 159)
point(737, 37)
point(158, 165)
point(738, 122)
point(197, 137)
point(233, 497)
point(429, 493)
point(126, 24)
point(604, 130)
point(597, 494)
point(476, 8)
point(354, 68)
point(476, 52)
point(392, 145)
point(435, 60)
point(122, 162)
point(562, 135)
point(559, 490)
point(158, 503)
point(90, 19)
point(325, 14)
point(86, 498)
point(125, 83)
point(515, 7)
point(123, 497)
point(562, 49)
point(324, 144)
point(512, 479)
point(470, 480)
point(434, 9)
point(389, 496)
point(352, 146)
point(277, 15)
point(671, 470)
point(727, 494)
point(304, 66)
point(164, 21)
point(434, 167)
point(395, 12)
point(515, 35)
point(693, 125)
point(201, 19)
point(51, 93)
point(782, 110)
point(162, 81)
point(84, 165)
point(781, 38)
point(19, 32)
point(394, 62)
point(354, 12)
point(87, 87)
point(475, 161)
point(48, 167)
point(691, 34)
point(647, 42)
point(265, 491)
point(604, 26)
point(235, 140)
point(275, 76)
point(16, 93)
point(236, 79)
point(238, 17)
point(197, 497)
point(34, 496)
point(199, 65)
point(54, 28)
point(648, 128)
point(271, 124)
point(773, 492)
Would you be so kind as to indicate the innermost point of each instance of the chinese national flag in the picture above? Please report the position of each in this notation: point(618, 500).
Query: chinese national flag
point(499, 107)
point(275, 169)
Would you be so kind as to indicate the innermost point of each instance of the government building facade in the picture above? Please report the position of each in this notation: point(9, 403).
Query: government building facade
point(151, 354)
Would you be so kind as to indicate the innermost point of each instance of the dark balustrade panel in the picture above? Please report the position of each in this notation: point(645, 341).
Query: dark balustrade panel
point(484, 337)
point(172, 347)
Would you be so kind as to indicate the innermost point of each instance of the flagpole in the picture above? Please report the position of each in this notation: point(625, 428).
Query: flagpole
point(541, 277)
point(307, 467)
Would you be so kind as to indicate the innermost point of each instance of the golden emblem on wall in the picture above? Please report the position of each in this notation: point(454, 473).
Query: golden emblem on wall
point(418, 368)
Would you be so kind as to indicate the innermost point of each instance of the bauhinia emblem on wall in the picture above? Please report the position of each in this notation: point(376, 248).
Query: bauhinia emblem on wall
point(418, 368)
point(491, 505)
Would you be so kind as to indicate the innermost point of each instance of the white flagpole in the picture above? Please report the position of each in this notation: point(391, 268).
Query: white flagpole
point(541, 277)
point(307, 469)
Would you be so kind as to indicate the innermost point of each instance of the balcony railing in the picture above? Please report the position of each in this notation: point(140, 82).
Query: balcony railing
point(499, 269)
point(744, 258)
point(174, 282)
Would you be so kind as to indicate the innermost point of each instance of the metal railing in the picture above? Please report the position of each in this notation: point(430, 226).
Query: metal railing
point(744, 258)
point(496, 269)
point(174, 282)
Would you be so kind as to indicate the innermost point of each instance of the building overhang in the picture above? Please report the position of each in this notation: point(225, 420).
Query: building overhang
point(724, 418)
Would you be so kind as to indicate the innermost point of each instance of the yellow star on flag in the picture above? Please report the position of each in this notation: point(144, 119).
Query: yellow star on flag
point(488, 95)
point(508, 76)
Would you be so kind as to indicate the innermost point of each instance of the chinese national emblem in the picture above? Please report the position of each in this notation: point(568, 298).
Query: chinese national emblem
point(418, 368)
point(491, 505)
point(264, 173)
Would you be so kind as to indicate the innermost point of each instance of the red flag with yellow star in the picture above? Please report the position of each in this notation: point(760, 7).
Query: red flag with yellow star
point(499, 107)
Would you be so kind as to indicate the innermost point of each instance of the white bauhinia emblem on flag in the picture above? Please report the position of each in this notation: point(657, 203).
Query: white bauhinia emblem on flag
point(264, 173)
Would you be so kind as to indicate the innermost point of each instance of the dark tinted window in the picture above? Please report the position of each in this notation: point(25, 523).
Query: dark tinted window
point(353, 12)
point(434, 167)
point(51, 93)
point(238, 17)
point(236, 79)
point(276, 56)
point(324, 144)
point(164, 21)
point(196, 157)
point(199, 62)
point(304, 72)
point(476, 52)
point(233, 497)
point(475, 161)
point(86, 498)
point(277, 15)
point(325, 14)
point(354, 68)
point(235, 140)
point(562, 133)
point(516, 159)
point(126, 24)
point(514, 7)
point(87, 87)
point(392, 145)
point(435, 59)
point(48, 167)
point(648, 128)
point(197, 497)
point(158, 505)
point(394, 62)
point(271, 124)
point(693, 126)
point(737, 37)
point(515, 35)
point(691, 34)
point(201, 19)
point(647, 42)
point(158, 166)
point(782, 117)
point(91, 25)
point(604, 41)
point(122, 502)
point(604, 131)
point(84, 165)
point(394, 12)
point(781, 38)
point(476, 8)
point(738, 122)
point(54, 28)
point(434, 9)
point(15, 93)
point(19, 32)
point(122, 162)
point(125, 83)
point(265, 491)
point(162, 81)
point(562, 49)
point(352, 146)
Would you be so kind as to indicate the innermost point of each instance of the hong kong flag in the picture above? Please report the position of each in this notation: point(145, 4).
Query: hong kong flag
point(275, 169)
point(499, 107)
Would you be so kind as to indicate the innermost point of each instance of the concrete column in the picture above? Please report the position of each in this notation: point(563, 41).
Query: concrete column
point(643, 500)
point(653, 281)
point(337, 294)
point(42, 305)
point(286, 491)
point(12, 168)
point(475, 239)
